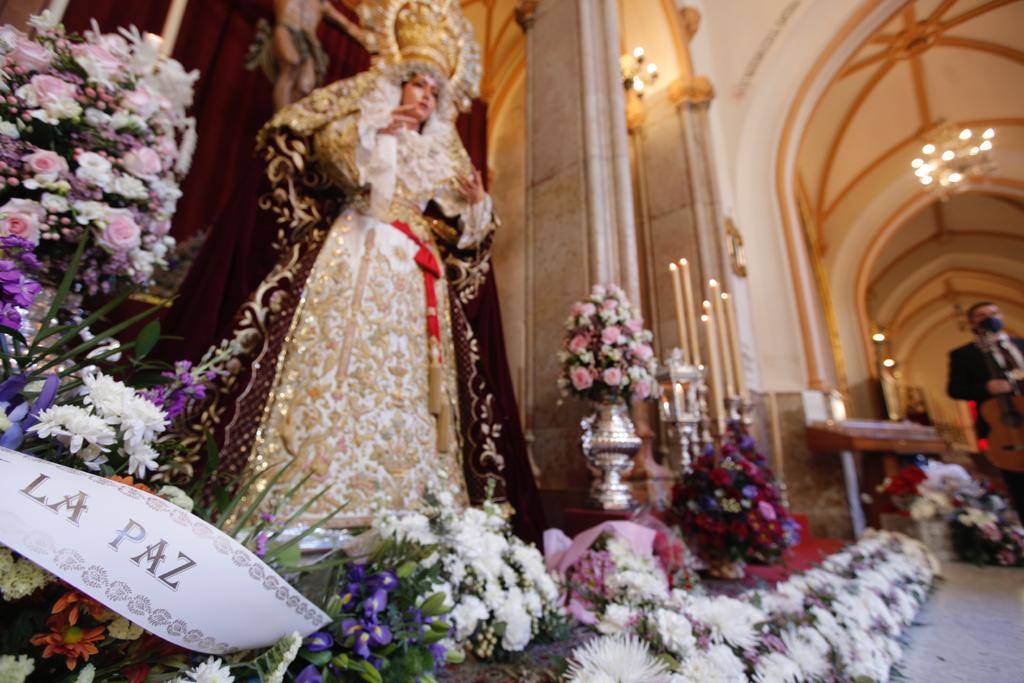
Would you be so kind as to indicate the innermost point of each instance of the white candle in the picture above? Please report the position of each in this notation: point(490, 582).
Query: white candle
point(172, 24)
point(723, 338)
point(691, 317)
point(677, 293)
point(57, 9)
point(717, 397)
point(734, 344)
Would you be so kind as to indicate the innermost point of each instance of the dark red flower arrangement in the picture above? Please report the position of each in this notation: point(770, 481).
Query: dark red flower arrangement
point(730, 507)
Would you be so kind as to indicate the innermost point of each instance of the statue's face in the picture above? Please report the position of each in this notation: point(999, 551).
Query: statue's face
point(420, 92)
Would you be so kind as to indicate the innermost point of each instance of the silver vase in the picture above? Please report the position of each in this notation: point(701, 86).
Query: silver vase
point(609, 444)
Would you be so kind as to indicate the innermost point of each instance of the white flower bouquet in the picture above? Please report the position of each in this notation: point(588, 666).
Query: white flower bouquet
point(606, 355)
point(501, 595)
point(94, 141)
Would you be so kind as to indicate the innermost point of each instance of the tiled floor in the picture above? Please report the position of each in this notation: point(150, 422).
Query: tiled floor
point(972, 629)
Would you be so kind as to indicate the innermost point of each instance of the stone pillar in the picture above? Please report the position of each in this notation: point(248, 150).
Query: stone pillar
point(579, 214)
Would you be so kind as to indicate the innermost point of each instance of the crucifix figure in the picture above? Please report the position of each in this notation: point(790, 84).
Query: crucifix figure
point(290, 53)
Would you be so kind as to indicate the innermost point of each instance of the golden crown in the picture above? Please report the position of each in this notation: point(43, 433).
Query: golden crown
point(424, 34)
point(432, 32)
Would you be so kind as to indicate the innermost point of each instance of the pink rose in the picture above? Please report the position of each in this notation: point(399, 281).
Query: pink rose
point(30, 55)
point(588, 309)
point(642, 389)
point(22, 218)
point(160, 228)
point(45, 162)
point(121, 232)
point(143, 162)
point(578, 344)
point(767, 511)
point(644, 352)
point(141, 101)
point(52, 91)
point(635, 325)
point(610, 304)
point(98, 62)
point(167, 150)
point(611, 335)
point(580, 378)
point(577, 308)
point(612, 377)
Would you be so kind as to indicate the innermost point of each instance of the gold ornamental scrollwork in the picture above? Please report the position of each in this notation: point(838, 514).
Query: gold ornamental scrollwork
point(737, 253)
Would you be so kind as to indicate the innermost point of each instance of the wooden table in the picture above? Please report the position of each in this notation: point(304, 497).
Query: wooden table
point(884, 442)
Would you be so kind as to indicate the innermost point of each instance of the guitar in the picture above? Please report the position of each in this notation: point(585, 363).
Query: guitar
point(1005, 416)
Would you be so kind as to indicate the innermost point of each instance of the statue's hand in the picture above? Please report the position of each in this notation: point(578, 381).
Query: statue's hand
point(472, 187)
point(401, 117)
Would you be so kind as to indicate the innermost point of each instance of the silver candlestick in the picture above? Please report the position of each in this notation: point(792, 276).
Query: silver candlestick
point(683, 406)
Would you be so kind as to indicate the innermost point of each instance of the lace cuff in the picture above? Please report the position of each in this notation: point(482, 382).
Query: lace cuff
point(476, 222)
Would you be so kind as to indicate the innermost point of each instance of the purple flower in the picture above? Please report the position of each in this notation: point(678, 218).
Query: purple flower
point(385, 580)
point(356, 572)
point(311, 674)
point(319, 641)
point(440, 654)
point(379, 634)
point(362, 645)
point(261, 543)
point(749, 491)
point(377, 601)
point(350, 627)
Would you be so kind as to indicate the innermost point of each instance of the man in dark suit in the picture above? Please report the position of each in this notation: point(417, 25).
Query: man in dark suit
point(971, 380)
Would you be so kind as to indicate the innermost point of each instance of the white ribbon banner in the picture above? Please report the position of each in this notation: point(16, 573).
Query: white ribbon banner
point(147, 559)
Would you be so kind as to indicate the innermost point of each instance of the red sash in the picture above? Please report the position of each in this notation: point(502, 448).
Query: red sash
point(427, 262)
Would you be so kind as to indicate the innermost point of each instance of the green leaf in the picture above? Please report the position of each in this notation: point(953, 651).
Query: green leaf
point(147, 339)
point(290, 557)
point(455, 656)
point(434, 605)
point(13, 334)
point(406, 569)
point(341, 661)
point(319, 658)
point(432, 636)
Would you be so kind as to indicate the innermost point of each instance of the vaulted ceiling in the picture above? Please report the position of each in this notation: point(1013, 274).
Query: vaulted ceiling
point(921, 259)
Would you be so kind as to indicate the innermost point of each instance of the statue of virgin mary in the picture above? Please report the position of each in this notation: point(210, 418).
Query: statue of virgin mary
point(362, 364)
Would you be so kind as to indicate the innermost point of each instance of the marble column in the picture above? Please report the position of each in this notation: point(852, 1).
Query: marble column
point(579, 206)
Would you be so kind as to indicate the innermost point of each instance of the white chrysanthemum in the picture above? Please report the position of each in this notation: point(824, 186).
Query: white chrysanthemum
point(75, 427)
point(776, 668)
point(719, 664)
point(412, 527)
point(141, 458)
point(618, 659)
point(675, 631)
point(809, 652)
point(87, 674)
point(213, 670)
point(616, 619)
point(140, 419)
point(15, 669)
point(730, 619)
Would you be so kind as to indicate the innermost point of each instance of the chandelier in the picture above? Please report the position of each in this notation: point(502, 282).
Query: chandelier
point(636, 74)
point(952, 155)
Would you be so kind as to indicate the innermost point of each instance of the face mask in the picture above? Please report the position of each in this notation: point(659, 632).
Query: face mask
point(991, 324)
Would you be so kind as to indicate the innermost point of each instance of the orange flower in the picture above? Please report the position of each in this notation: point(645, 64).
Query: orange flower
point(130, 481)
point(72, 601)
point(69, 640)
